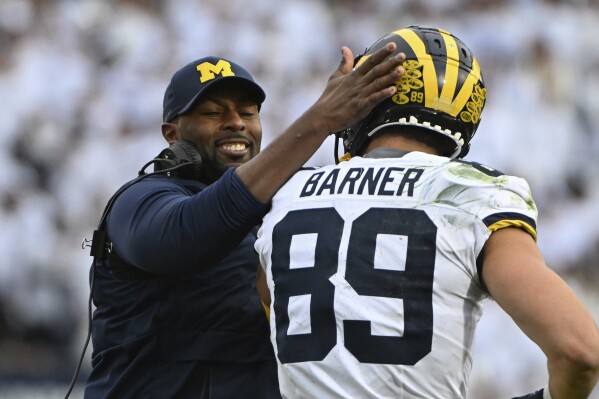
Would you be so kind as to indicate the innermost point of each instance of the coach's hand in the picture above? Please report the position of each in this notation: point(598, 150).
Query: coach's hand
point(351, 94)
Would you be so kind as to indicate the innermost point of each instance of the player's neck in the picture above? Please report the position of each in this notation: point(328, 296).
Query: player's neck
point(399, 143)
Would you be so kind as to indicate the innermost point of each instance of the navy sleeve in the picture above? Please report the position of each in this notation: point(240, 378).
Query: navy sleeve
point(535, 395)
point(160, 226)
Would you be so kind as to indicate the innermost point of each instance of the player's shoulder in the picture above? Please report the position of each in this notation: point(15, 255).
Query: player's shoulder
point(475, 169)
point(478, 175)
point(473, 184)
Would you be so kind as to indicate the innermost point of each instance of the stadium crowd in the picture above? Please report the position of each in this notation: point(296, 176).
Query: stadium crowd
point(81, 86)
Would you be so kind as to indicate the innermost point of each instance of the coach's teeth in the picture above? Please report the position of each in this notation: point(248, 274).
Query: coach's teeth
point(458, 136)
point(234, 147)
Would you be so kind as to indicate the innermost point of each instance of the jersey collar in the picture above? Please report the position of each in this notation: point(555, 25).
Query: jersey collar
point(386, 153)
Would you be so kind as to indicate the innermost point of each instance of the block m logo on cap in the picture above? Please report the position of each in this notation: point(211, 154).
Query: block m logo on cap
point(208, 71)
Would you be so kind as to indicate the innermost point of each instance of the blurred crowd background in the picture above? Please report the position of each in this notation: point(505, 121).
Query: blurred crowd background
point(81, 87)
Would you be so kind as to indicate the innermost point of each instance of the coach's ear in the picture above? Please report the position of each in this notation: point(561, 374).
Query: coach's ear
point(170, 132)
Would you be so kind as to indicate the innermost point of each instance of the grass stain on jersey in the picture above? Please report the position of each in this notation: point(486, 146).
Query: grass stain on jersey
point(469, 172)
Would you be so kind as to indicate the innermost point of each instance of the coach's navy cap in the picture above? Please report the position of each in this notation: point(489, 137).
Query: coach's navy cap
point(189, 82)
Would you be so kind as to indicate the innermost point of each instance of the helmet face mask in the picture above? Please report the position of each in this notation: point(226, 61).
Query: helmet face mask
point(442, 91)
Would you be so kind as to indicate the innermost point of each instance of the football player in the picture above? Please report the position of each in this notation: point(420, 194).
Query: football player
point(377, 267)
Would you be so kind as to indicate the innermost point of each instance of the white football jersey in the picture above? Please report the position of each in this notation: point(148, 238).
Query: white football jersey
point(372, 271)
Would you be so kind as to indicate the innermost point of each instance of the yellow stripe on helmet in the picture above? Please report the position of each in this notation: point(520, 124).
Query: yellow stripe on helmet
point(361, 60)
point(467, 89)
point(451, 73)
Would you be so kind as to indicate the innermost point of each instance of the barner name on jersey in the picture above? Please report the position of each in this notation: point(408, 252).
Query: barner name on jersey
point(368, 179)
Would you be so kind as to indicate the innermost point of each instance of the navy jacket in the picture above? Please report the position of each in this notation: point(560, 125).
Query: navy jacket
point(189, 296)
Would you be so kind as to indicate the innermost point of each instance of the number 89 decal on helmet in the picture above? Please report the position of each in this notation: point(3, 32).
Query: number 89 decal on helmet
point(442, 92)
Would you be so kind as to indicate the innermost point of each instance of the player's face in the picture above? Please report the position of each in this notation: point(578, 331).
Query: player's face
point(225, 127)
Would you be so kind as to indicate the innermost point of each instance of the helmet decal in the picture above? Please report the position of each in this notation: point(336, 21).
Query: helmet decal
point(426, 67)
point(474, 107)
point(409, 85)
